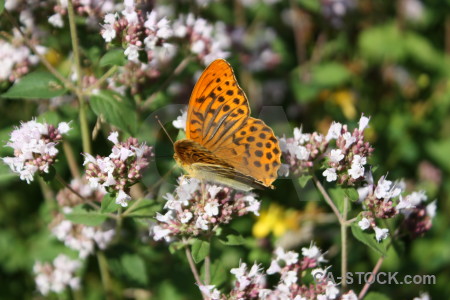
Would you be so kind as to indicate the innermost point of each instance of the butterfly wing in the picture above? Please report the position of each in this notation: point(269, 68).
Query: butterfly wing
point(218, 119)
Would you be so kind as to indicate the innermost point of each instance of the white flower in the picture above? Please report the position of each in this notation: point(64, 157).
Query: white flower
point(423, 296)
point(160, 232)
point(359, 160)
point(210, 292)
point(300, 152)
point(349, 139)
point(110, 18)
point(213, 190)
point(356, 171)
point(212, 209)
point(63, 127)
point(313, 252)
point(289, 277)
point(252, 203)
point(132, 52)
point(331, 291)
point(336, 155)
point(185, 217)
point(289, 257)
point(364, 223)
point(114, 137)
point(108, 32)
point(123, 198)
point(56, 20)
point(334, 132)
point(350, 295)
point(381, 233)
point(318, 274)
point(180, 122)
point(300, 137)
point(201, 223)
point(103, 238)
point(274, 267)
point(404, 203)
point(363, 122)
point(330, 174)
point(431, 209)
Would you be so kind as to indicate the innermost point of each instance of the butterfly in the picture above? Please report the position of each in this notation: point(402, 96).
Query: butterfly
point(223, 143)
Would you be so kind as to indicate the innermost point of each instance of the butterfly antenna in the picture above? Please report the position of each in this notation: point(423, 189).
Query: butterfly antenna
point(157, 119)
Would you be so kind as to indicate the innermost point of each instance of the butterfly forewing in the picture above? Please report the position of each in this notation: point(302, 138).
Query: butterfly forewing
point(245, 149)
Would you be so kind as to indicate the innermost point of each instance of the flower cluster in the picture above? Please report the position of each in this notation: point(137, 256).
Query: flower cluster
point(300, 278)
point(93, 9)
point(34, 147)
point(195, 208)
point(346, 163)
point(121, 169)
point(57, 276)
point(300, 151)
point(207, 41)
point(79, 237)
point(15, 60)
point(384, 200)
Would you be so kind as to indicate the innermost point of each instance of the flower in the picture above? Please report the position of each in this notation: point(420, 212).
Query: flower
point(34, 147)
point(334, 132)
point(121, 169)
point(57, 276)
point(381, 233)
point(56, 20)
point(193, 210)
point(330, 174)
point(180, 122)
point(364, 223)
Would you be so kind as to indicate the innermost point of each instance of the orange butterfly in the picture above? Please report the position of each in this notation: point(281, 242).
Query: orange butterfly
point(223, 143)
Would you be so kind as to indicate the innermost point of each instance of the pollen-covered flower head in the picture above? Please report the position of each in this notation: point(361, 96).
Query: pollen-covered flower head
point(195, 208)
point(34, 147)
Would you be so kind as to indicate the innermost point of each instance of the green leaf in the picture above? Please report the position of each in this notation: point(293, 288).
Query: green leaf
point(200, 249)
point(176, 246)
point(439, 151)
point(108, 204)
point(6, 175)
point(115, 109)
point(352, 194)
point(80, 215)
point(368, 238)
point(217, 272)
point(48, 177)
point(330, 74)
point(36, 85)
point(233, 240)
point(376, 296)
point(304, 179)
point(338, 195)
point(2, 6)
point(146, 208)
point(311, 5)
point(134, 268)
point(114, 57)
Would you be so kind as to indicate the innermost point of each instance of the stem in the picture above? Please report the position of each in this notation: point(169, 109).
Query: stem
point(192, 264)
point(42, 58)
point(344, 245)
point(327, 198)
point(47, 193)
point(71, 160)
point(374, 273)
point(207, 269)
point(85, 136)
point(102, 79)
point(104, 274)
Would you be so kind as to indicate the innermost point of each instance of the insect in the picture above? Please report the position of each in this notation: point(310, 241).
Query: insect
point(223, 143)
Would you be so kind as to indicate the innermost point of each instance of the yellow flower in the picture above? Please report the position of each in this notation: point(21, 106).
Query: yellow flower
point(277, 220)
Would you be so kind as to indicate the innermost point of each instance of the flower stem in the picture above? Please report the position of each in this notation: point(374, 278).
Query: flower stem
point(85, 135)
point(370, 281)
point(344, 245)
point(327, 198)
point(191, 263)
point(104, 274)
point(71, 160)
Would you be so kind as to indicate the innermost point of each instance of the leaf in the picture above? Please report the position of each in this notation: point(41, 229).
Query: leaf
point(6, 175)
point(439, 151)
point(115, 109)
point(304, 179)
point(311, 5)
point(376, 296)
point(352, 194)
point(80, 215)
point(337, 196)
point(176, 246)
point(200, 249)
point(2, 6)
point(330, 74)
point(36, 85)
point(368, 238)
point(134, 267)
point(217, 272)
point(108, 204)
point(232, 240)
point(114, 57)
point(146, 208)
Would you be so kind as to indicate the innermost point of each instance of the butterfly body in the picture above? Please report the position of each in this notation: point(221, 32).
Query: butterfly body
point(223, 143)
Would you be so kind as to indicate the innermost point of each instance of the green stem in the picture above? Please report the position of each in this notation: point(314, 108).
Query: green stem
point(71, 160)
point(104, 274)
point(102, 79)
point(47, 193)
point(327, 198)
point(85, 135)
